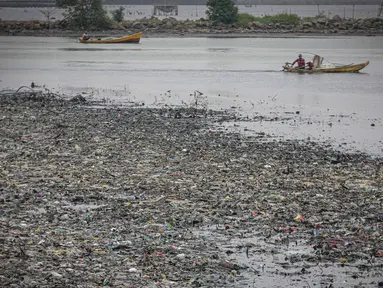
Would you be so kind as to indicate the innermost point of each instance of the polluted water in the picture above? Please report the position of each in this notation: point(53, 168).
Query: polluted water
point(133, 196)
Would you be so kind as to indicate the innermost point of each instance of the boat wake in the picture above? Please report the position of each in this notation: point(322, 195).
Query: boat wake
point(97, 49)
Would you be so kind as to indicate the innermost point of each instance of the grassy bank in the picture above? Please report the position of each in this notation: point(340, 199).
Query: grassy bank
point(291, 19)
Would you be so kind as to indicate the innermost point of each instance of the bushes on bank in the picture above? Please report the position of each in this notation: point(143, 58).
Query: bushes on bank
point(118, 14)
point(283, 18)
point(221, 11)
point(85, 14)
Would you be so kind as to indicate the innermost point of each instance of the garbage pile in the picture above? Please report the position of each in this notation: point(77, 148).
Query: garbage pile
point(123, 197)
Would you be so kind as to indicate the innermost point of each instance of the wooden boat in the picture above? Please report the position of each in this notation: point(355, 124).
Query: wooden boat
point(320, 67)
point(134, 38)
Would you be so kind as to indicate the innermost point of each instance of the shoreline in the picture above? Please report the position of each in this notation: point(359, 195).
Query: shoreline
point(170, 27)
point(227, 35)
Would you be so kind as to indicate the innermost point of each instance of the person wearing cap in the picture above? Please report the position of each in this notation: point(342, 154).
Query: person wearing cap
point(301, 62)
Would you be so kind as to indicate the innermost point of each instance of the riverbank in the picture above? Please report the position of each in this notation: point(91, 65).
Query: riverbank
point(170, 34)
point(171, 27)
point(139, 196)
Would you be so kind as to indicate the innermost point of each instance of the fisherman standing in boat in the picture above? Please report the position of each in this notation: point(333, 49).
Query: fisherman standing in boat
point(301, 62)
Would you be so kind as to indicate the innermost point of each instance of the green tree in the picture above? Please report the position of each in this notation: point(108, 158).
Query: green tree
point(85, 14)
point(118, 14)
point(221, 11)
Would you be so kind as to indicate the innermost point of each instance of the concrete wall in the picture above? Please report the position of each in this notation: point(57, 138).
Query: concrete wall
point(310, 2)
point(27, 3)
point(45, 3)
point(246, 2)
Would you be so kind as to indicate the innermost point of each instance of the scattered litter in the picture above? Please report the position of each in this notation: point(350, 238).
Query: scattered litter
point(88, 196)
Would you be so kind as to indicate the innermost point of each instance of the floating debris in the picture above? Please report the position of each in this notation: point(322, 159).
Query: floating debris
point(138, 197)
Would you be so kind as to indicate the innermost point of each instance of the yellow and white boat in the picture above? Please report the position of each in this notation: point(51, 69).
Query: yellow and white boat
point(134, 38)
point(320, 67)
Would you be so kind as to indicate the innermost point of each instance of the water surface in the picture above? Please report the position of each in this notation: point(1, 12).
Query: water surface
point(239, 74)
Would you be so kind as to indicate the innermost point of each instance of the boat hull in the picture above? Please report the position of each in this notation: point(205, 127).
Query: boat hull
point(135, 38)
point(343, 69)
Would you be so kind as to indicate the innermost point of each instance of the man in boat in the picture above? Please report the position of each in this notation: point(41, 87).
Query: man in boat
point(85, 36)
point(310, 64)
point(301, 62)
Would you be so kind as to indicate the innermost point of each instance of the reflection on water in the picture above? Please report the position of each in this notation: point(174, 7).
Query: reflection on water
point(217, 50)
point(241, 73)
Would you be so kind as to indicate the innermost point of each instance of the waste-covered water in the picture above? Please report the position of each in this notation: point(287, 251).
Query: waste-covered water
point(266, 263)
point(239, 74)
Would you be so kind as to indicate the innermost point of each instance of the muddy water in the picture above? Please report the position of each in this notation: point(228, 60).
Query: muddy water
point(239, 74)
point(265, 263)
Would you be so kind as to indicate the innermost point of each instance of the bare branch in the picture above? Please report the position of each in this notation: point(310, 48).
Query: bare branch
point(48, 12)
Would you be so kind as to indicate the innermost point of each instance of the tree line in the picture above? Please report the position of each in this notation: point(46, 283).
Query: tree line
point(90, 14)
